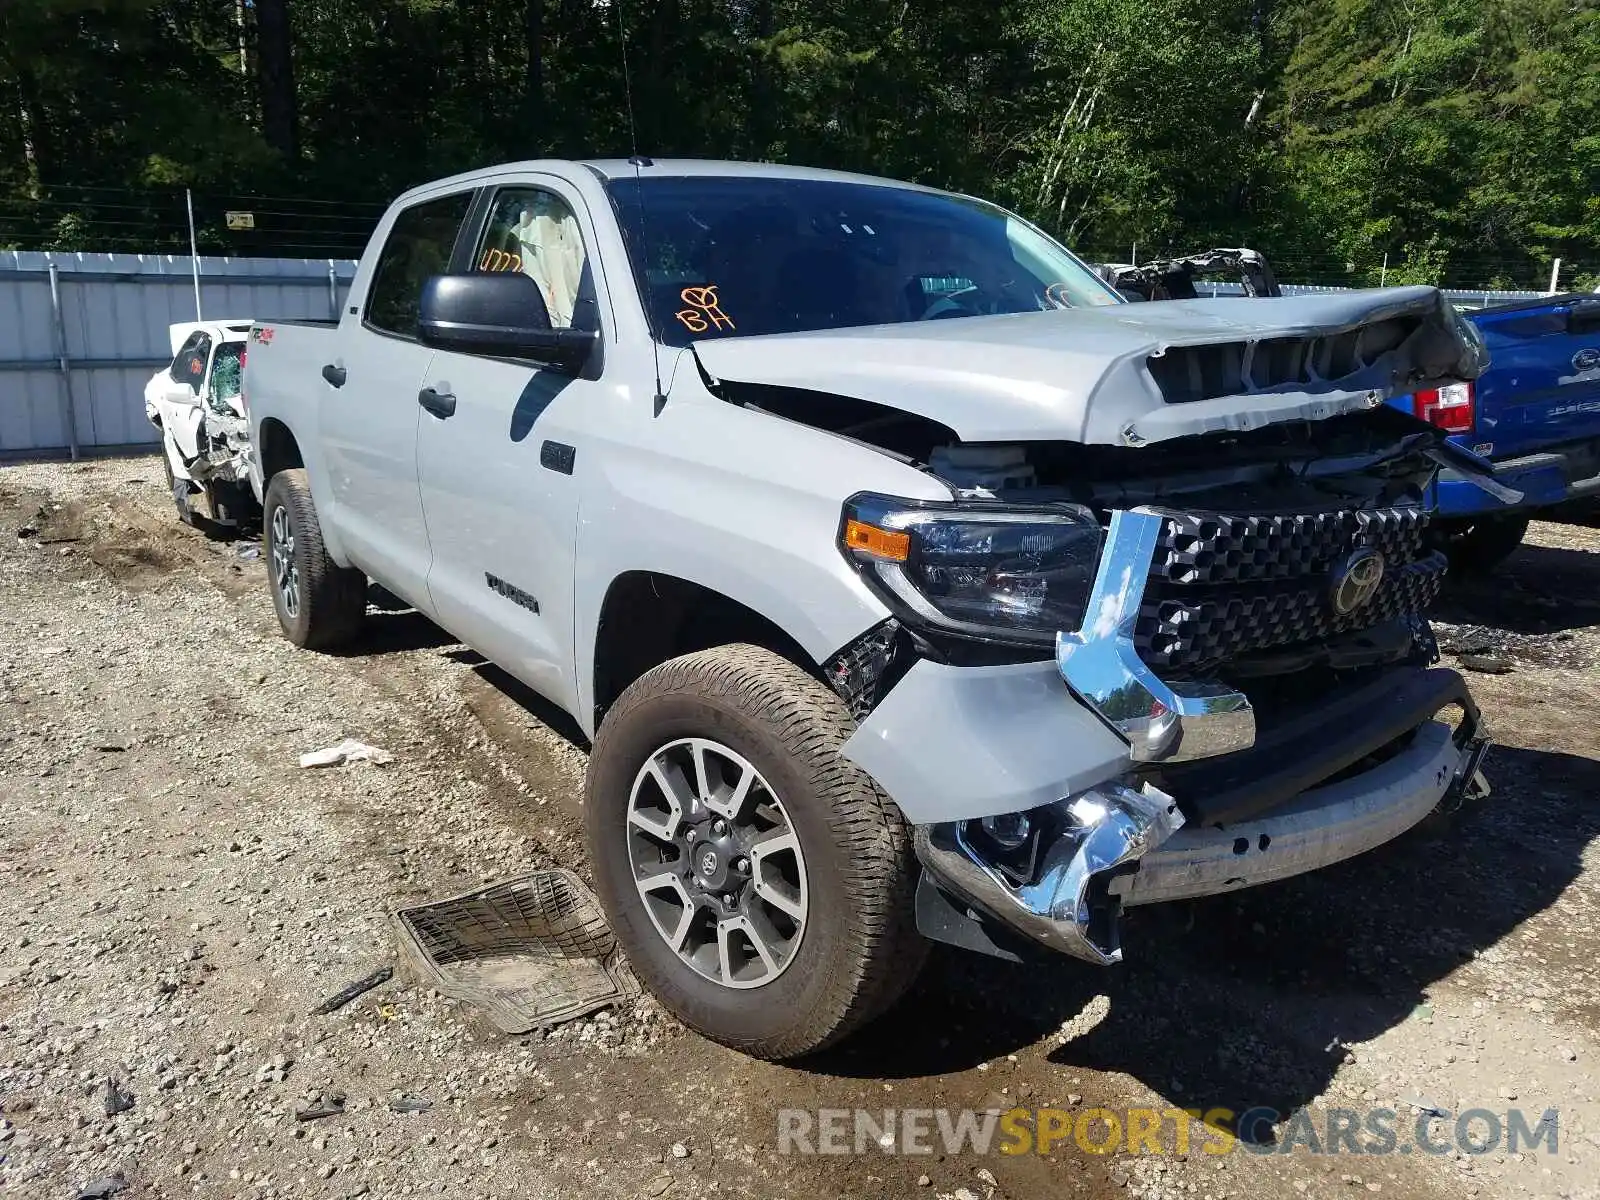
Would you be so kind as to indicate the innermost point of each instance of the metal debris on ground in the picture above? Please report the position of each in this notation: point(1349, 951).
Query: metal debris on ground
point(346, 994)
point(326, 1105)
point(118, 1099)
point(1425, 1106)
point(410, 1104)
point(348, 750)
point(532, 952)
point(101, 1189)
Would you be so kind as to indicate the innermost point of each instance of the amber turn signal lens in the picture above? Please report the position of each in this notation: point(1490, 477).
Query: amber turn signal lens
point(887, 544)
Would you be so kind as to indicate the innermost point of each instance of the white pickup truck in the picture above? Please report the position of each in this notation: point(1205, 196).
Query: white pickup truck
point(195, 403)
point(907, 581)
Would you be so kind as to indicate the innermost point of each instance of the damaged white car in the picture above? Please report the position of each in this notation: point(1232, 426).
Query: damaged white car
point(197, 404)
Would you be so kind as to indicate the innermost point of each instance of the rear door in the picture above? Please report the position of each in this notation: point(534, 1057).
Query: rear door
point(1543, 385)
point(500, 473)
point(369, 410)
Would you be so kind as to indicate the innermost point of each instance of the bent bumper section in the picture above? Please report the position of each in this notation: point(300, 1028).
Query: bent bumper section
point(1037, 792)
point(1112, 847)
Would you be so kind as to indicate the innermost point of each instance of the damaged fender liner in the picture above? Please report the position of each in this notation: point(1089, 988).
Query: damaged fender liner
point(1312, 747)
point(1090, 375)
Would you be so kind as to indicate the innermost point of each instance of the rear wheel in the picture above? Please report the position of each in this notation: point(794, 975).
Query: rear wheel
point(1479, 545)
point(759, 882)
point(320, 604)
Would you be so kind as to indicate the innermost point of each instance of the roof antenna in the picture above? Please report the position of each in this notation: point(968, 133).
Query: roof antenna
point(640, 161)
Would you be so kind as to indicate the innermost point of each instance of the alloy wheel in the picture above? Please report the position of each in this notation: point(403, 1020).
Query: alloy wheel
point(717, 862)
point(285, 571)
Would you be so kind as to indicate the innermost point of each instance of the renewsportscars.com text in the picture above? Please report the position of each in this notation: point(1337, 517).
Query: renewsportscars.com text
point(1262, 1130)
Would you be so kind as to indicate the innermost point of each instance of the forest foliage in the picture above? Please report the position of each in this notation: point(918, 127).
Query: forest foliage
point(1449, 141)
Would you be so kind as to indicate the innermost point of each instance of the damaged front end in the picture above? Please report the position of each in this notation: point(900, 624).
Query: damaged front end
point(1174, 278)
point(1278, 712)
point(1142, 670)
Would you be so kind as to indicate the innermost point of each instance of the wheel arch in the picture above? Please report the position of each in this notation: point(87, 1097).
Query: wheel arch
point(649, 617)
point(280, 449)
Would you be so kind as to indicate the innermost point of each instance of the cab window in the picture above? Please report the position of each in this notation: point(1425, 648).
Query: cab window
point(227, 370)
point(535, 232)
point(419, 245)
point(189, 364)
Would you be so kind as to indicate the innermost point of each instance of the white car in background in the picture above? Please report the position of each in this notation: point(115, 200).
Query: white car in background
point(198, 405)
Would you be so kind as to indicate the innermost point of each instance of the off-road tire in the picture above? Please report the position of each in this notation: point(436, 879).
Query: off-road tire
point(860, 950)
point(1479, 545)
point(332, 599)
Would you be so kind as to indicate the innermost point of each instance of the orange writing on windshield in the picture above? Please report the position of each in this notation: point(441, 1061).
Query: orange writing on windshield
point(705, 310)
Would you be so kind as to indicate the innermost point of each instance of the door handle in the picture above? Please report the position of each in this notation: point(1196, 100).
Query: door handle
point(440, 404)
point(335, 375)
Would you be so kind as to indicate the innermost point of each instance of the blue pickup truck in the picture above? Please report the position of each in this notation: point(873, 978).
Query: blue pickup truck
point(1535, 415)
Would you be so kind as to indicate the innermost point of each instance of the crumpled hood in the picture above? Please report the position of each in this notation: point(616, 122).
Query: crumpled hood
point(1128, 374)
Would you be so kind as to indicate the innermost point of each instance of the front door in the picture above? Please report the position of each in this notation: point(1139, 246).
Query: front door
point(499, 485)
point(369, 407)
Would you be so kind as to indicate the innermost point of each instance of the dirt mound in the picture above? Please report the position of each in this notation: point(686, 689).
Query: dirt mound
point(140, 546)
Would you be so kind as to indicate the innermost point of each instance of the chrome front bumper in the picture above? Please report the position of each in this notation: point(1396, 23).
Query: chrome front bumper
point(1317, 829)
point(1111, 846)
point(1161, 721)
point(1065, 906)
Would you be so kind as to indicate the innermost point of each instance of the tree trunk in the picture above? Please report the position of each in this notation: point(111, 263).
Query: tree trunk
point(761, 128)
point(533, 82)
point(275, 78)
point(244, 41)
point(31, 125)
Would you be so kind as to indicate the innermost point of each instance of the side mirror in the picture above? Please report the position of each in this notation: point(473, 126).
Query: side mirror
point(501, 314)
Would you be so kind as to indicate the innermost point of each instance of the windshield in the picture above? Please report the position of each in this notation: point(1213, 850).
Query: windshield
point(227, 370)
point(720, 256)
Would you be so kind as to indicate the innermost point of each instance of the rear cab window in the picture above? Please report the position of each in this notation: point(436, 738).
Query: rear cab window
point(420, 244)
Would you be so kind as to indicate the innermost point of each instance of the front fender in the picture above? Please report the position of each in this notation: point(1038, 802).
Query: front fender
point(742, 503)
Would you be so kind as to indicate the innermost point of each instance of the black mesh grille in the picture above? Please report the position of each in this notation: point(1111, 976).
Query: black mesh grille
point(1217, 548)
point(1223, 585)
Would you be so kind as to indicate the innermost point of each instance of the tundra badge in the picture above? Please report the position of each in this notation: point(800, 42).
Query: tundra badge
point(512, 593)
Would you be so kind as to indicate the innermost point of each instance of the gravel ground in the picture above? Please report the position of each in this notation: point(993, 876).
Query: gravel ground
point(178, 895)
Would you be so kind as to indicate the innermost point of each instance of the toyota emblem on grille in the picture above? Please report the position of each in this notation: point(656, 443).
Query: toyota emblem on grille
point(1356, 580)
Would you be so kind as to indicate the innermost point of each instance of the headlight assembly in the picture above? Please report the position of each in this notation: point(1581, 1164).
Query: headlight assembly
point(994, 572)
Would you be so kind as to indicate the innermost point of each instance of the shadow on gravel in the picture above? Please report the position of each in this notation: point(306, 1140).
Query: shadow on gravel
point(556, 719)
point(1245, 1000)
point(1539, 589)
point(393, 626)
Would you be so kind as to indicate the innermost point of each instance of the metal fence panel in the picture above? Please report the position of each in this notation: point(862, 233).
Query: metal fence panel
point(106, 315)
point(88, 343)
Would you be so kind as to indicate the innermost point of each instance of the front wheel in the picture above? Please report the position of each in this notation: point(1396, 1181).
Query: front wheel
point(760, 883)
point(320, 604)
point(1479, 545)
